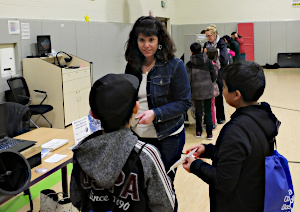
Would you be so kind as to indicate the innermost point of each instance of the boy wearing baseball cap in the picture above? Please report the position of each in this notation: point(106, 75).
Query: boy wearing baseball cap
point(112, 169)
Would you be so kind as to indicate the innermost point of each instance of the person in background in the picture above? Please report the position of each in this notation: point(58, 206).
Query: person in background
point(231, 54)
point(234, 46)
point(236, 177)
point(186, 116)
point(182, 57)
point(164, 94)
point(201, 75)
point(95, 124)
point(212, 54)
point(241, 42)
point(112, 169)
point(214, 40)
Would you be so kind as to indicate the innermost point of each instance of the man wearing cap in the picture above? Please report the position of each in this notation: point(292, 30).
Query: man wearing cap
point(112, 169)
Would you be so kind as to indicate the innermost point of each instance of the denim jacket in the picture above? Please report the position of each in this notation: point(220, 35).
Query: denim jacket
point(168, 94)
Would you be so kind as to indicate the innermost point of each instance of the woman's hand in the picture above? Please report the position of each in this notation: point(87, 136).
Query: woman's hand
point(146, 117)
point(200, 150)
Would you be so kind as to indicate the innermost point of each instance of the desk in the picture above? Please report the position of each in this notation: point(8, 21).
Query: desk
point(42, 135)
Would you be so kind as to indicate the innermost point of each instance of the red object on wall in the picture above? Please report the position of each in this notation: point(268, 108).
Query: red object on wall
point(246, 30)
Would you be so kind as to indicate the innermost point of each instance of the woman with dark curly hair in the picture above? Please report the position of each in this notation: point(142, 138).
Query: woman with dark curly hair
point(164, 93)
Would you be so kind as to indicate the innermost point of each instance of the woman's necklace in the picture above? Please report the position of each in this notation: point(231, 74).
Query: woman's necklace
point(147, 68)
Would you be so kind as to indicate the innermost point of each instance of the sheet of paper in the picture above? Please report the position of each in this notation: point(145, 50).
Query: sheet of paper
point(181, 160)
point(45, 152)
point(81, 129)
point(71, 147)
point(55, 158)
point(25, 30)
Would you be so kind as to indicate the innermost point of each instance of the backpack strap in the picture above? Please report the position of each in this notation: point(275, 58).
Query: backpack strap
point(272, 143)
point(78, 168)
point(132, 165)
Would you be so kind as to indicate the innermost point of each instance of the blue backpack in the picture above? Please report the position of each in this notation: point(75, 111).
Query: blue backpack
point(279, 191)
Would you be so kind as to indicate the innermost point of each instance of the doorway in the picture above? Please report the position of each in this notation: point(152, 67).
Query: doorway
point(166, 23)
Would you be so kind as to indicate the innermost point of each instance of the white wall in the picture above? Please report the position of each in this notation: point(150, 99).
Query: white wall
point(127, 11)
point(218, 11)
point(124, 11)
point(111, 20)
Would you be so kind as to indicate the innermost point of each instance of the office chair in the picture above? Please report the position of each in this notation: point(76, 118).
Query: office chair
point(21, 95)
point(15, 169)
point(16, 119)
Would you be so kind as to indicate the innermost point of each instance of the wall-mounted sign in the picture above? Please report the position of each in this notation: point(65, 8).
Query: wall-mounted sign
point(13, 27)
point(25, 28)
point(295, 3)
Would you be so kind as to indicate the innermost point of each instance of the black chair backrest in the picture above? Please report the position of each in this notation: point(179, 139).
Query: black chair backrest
point(17, 119)
point(20, 89)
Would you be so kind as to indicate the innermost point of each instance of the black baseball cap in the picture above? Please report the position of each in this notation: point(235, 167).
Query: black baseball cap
point(112, 99)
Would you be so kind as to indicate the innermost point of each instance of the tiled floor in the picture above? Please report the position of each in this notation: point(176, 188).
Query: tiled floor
point(282, 93)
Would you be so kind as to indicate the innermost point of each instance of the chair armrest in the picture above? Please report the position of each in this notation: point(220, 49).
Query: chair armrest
point(40, 91)
point(43, 92)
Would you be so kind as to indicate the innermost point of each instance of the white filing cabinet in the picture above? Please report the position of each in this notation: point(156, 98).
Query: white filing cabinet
point(68, 89)
point(76, 89)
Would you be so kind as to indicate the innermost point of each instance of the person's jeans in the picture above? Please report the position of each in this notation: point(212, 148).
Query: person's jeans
point(170, 149)
point(220, 114)
point(213, 113)
point(243, 55)
point(207, 115)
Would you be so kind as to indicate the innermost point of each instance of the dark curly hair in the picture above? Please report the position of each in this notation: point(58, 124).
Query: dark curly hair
point(148, 26)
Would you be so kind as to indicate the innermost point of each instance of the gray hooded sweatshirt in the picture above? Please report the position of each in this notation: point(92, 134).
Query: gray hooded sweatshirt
point(101, 163)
